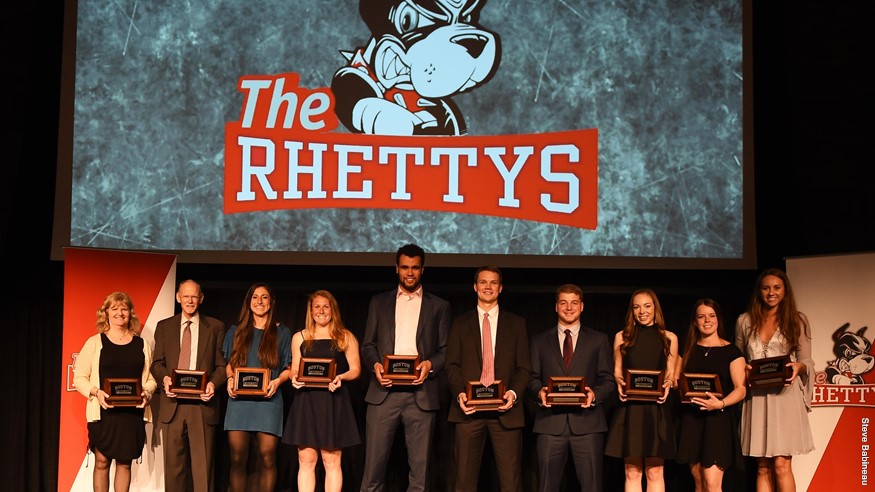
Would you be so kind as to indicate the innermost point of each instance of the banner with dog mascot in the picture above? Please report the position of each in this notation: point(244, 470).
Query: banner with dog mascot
point(556, 130)
point(89, 276)
point(837, 294)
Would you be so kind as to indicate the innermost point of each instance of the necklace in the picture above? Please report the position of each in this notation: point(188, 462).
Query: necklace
point(118, 338)
point(708, 350)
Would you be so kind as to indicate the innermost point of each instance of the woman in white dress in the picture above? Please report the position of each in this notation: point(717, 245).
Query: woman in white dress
point(774, 421)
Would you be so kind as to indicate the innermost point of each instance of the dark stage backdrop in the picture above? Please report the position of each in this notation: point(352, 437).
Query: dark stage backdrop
point(813, 181)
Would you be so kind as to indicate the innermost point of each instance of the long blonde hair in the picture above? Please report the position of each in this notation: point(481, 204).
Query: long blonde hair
point(338, 330)
point(110, 301)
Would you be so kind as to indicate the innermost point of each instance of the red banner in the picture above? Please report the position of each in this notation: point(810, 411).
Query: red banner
point(544, 177)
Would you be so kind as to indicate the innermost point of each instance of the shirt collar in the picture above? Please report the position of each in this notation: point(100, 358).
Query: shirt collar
point(410, 295)
point(575, 329)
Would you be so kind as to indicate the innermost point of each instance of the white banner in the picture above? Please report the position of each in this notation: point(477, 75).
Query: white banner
point(837, 293)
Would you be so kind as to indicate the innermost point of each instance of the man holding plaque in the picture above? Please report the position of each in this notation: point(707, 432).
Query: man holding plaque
point(573, 420)
point(488, 355)
point(189, 364)
point(408, 327)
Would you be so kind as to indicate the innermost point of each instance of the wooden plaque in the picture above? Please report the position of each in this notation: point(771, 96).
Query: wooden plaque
point(316, 372)
point(644, 384)
point(251, 381)
point(770, 372)
point(694, 385)
point(123, 392)
point(566, 390)
point(485, 397)
point(188, 384)
point(401, 369)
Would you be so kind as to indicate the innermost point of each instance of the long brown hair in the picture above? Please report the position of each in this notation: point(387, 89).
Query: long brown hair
point(693, 334)
point(790, 320)
point(630, 331)
point(338, 330)
point(267, 350)
point(111, 300)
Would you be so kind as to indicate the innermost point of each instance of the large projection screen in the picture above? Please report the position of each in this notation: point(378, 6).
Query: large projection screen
point(580, 134)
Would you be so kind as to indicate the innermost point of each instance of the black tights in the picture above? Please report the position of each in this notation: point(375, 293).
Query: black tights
point(238, 442)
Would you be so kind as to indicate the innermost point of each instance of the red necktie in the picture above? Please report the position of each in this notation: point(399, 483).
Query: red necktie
point(487, 376)
point(568, 350)
point(185, 348)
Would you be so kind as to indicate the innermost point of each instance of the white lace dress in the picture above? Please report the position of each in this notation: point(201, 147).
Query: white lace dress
point(774, 421)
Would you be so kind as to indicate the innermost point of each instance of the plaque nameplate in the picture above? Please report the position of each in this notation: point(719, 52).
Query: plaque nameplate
point(251, 381)
point(123, 392)
point(566, 390)
point(644, 384)
point(401, 369)
point(316, 372)
point(482, 397)
point(695, 385)
point(188, 384)
point(771, 372)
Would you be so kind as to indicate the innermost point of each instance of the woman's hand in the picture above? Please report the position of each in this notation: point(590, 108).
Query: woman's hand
point(101, 399)
point(232, 391)
point(796, 367)
point(621, 387)
point(295, 383)
point(335, 384)
point(709, 403)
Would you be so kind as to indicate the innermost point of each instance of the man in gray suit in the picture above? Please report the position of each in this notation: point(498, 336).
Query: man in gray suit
point(579, 428)
point(188, 425)
point(403, 321)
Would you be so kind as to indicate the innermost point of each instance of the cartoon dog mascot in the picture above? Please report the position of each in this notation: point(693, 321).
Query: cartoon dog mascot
point(420, 53)
point(852, 357)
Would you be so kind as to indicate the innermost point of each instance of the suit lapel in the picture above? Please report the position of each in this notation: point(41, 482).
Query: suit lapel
point(553, 348)
point(173, 349)
point(203, 334)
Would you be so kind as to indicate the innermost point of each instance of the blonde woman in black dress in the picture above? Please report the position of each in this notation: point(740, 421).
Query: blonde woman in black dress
point(115, 433)
point(322, 422)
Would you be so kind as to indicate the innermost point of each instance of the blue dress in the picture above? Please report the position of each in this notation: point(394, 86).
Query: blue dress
point(259, 415)
point(323, 419)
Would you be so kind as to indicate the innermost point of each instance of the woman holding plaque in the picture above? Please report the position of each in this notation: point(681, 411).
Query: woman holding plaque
point(324, 422)
point(774, 420)
point(256, 341)
point(709, 419)
point(116, 352)
point(642, 429)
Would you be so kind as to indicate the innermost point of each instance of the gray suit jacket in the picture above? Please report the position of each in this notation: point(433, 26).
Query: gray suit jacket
point(210, 358)
point(592, 359)
point(431, 343)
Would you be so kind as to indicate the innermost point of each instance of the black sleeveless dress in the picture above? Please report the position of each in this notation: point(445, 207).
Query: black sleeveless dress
point(711, 438)
point(641, 429)
point(120, 434)
point(320, 418)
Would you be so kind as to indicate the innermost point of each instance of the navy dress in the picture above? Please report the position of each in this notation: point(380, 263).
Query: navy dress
point(700, 430)
point(641, 429)
point(322, 419)
point(120, 434)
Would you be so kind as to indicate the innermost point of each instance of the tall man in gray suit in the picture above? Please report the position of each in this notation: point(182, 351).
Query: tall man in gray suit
point(494, 339)
point(569, 349)
point(403, 321)
point(188, 425)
